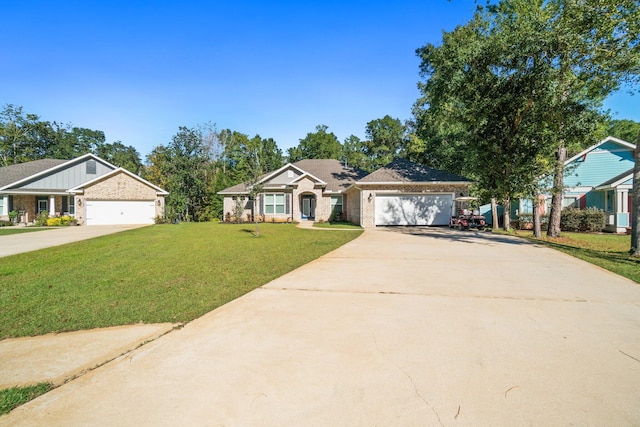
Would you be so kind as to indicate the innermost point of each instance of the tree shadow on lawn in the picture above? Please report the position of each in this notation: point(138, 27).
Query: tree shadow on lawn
point(478, 237)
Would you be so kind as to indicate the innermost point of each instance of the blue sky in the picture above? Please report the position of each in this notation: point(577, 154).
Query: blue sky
point(138, 70)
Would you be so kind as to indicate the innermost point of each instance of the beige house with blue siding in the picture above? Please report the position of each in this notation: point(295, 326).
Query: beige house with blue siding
point(88, 188)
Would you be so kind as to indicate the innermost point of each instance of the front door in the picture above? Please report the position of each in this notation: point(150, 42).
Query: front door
point(308, 207)
point(43, 205)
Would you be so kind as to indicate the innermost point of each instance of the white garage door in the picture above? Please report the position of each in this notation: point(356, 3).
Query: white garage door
point(413, 209)
point(108, 212)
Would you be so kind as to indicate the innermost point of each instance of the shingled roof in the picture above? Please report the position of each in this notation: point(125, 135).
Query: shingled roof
point(13, 173)
point(332, 172)
point(404, 171)
point(337, 176)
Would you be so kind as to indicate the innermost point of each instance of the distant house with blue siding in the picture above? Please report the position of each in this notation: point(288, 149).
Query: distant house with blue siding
point(599, 177)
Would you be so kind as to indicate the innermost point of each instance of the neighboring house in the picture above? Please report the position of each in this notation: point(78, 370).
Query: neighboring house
point(401, 193)
point(88, 188)
point(599, 177)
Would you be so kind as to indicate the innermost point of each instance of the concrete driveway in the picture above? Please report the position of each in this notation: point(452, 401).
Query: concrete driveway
point(55, 236)
point(403, 327)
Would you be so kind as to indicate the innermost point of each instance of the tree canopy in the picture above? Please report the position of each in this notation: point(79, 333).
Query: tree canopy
point(317, 145)
point(521, 82)
point(627, 130)
point(25, 137)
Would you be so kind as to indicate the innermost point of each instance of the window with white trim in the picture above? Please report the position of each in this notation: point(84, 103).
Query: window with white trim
point(570, 202)
point(72, 205)
point(274, 203)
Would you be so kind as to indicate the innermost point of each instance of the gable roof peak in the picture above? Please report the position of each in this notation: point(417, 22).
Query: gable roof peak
point(604, 141)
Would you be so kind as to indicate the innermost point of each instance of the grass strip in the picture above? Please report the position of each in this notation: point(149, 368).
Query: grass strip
point(5, 231)
point(608, 251)
point(11, 398)
point(160, 273)
point(334, 224)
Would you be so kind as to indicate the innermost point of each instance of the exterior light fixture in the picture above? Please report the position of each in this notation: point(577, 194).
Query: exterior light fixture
point(370, 197)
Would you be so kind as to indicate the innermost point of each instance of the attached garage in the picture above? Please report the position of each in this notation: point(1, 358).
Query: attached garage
point(112, 212)
point(119, 197)
point(413, 209)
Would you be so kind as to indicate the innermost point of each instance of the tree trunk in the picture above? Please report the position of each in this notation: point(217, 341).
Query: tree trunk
point(255, 215)
point(495, 224)
point(507, 214)
point(537, 227)
point(635, 205)
point(556, 199)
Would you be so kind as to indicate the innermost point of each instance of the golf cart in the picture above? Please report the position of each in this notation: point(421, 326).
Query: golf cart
point(465, 217)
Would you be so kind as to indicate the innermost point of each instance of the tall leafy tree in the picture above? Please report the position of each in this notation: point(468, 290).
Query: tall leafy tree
point(385, 138)
point(353, 153)
point(16, 136)
point(156, 166)
point(121, 155)
point(522, 80)
point(24, 137)
point(627, 130)
point(593, 48)
point(317, 145)
point(186, 167)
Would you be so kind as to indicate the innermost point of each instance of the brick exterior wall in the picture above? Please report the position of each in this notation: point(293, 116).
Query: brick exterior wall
point(306, 187)
point(352, 202)
point(120, 186)
point(29, 205)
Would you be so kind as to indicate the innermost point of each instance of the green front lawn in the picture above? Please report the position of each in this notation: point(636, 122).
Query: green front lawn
point(161, 273)
point(609, 251)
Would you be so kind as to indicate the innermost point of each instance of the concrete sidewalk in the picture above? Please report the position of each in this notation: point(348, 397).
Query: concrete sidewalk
point(58, 358)
point(406, 327)
point(55, 236)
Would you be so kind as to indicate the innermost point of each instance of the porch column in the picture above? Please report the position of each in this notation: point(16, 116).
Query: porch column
point(619, 201)
point(52, 206)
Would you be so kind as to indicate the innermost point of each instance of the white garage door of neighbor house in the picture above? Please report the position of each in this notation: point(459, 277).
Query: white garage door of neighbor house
point(413, 209)
point(109, 212)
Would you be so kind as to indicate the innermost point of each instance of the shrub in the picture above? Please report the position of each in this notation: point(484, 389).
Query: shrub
point(593, 219)
point(570, 219)
point(41, 219)
point(590, 219)
point(161, 220)
point(54, 222)
point(68, 220)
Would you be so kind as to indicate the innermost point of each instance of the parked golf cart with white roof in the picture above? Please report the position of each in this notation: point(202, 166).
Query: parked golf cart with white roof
point(465, 216)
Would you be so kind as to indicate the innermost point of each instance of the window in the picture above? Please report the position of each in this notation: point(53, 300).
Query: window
point(274, 203)
point(1, 205)
point(43, 205)
point(72, 205)
point(336, 205)
point(570, 202)
point(91, 167)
